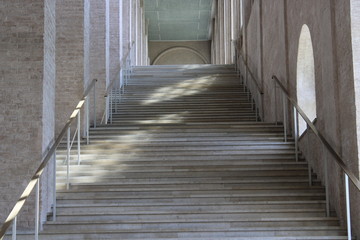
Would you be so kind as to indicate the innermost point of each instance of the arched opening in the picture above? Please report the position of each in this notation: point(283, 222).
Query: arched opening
point(305, 78)
point(179, 55)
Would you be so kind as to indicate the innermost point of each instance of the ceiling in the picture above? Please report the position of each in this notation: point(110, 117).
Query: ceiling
point(178, 20)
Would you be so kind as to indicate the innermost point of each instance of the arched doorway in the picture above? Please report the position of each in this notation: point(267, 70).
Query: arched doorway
point(305, 77)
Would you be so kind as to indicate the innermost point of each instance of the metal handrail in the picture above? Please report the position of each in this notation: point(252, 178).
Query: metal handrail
point(113, 93)
point(247, 67)
point(122, 63)
point(36, 177)
point(335, 154)
point(252, 75)
point(252, 85)
point(338, 159)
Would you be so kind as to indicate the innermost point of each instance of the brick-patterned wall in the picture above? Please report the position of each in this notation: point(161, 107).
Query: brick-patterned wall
point(114, 40)
point(87, 26)
point(97, 60)
point(69, 58)
point(21, 92)
point(126, 25)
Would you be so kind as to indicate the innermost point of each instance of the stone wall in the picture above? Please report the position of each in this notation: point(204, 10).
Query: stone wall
point(114, 41)
point(69, 58)
point(97, 55)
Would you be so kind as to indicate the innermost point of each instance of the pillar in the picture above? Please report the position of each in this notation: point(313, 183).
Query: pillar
point(114, 40)
point(97, 54)
point(27, 89)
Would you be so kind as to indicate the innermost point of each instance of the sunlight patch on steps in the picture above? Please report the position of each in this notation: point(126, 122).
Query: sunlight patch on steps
point(185, 88)
point(168, 118)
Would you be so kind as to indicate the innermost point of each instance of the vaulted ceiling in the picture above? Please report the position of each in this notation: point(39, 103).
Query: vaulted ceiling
point(179, 20)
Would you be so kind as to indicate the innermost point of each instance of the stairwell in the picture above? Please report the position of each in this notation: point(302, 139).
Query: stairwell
point(186, 158)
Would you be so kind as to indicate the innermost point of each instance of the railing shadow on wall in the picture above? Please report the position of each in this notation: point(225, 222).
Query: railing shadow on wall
point(113, 94)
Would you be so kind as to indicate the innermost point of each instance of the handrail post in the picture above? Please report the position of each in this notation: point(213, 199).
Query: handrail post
point(326, 175)
point(107, 103)
point(95, 106)
point(309, 173)
point(37, 209)
point(296, 133)
point(14, 228)
point(78, 135)
point(54, 188)
point(348, 212)
point(68, 159)
point(111, 106)
point(116, 99)
point(87, 120)
point(285, 117)
point(275, 103)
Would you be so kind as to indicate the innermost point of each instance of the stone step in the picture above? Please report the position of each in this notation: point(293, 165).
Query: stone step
point(113, 236)
point(122, 208)
point(100, 221)
point(216, 233)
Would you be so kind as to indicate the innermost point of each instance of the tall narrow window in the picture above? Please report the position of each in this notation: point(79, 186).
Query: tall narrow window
point(305, 78)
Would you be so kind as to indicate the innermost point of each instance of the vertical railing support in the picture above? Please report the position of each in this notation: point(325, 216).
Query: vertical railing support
point(348, 211)
point(54, 188)
point(116, 99)
point(326, 174)
point(275, 105)
point(285, 117)
point(87, 120)
point(37, 210)
point(107, 107)
point(296, 134)
point(68, 159)
point(78, 136)
point(95, 106)
point(111, 106)
point(14, 229)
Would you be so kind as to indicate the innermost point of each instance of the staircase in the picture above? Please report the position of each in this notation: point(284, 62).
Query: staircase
point(185, 158)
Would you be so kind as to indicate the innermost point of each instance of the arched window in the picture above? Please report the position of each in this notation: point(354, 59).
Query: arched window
point(305, 77)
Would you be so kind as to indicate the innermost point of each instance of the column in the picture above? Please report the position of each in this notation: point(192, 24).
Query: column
point(97, 55)
point(114, 41)
point(27, 90)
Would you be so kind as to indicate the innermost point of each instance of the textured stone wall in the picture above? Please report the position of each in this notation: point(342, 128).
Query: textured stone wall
point(272, 37)
point(97, 55)
point(126, 25)
point(114, 41)
point(69, 58)
point(27, 80)
point(87, 27)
